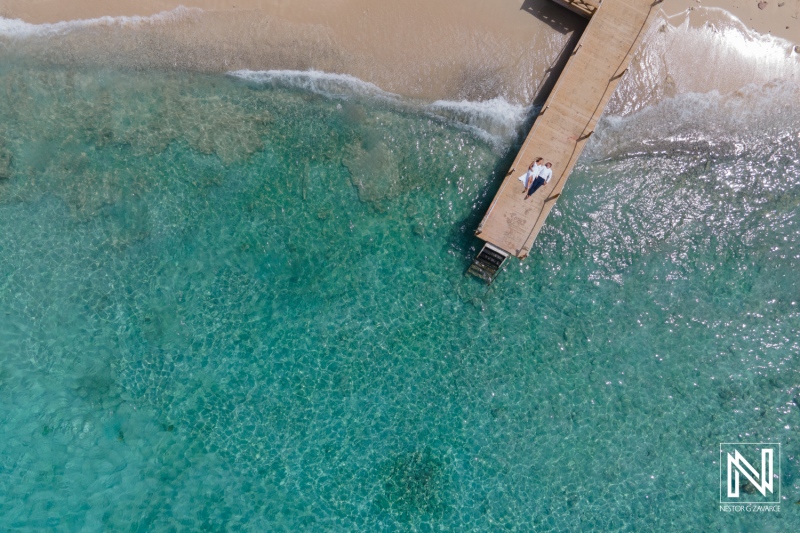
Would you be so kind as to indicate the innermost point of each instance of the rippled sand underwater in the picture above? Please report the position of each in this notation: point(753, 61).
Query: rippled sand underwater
point(230, 305)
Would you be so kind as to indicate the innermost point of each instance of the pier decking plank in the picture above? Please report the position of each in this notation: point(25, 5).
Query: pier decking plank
point(567, 119)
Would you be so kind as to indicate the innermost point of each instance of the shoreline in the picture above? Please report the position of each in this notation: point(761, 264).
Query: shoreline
point(450, 49)
point(442, 50)
point(780, 18)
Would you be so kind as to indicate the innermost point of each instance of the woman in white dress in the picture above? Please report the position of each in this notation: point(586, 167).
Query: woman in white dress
point(544, 177)
point(533, 171)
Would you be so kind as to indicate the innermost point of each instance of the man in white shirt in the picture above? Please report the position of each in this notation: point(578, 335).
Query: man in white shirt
point(533, 171)
point(544, 177)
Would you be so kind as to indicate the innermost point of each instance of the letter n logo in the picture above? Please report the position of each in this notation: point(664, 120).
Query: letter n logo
point(742, 481)
point(737, 464)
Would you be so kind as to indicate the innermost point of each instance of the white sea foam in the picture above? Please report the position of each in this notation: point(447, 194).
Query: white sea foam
point(730, 43)
point(324, 83)
point(699, 85)
point(701, 51)
point(19, 29)
point(745, 33)
point(698, 122)
point(496, 121)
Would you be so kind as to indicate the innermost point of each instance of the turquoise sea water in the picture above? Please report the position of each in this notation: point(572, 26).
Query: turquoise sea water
point(238, 306)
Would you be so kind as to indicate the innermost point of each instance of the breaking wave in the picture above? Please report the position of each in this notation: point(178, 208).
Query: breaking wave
point(496, 120)
point(719, 122)
point(323, 83)
point(669, 62)
point(19, 29)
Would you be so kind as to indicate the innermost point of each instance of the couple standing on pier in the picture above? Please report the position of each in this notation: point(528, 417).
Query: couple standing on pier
point(537, 175)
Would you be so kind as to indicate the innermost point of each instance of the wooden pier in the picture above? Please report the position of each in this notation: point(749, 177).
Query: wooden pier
point(565, 123)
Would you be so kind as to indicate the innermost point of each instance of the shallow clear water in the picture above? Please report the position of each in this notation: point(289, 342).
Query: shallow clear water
point(238, 306)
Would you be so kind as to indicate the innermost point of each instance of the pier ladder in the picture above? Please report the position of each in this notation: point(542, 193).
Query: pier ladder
point(487, 264)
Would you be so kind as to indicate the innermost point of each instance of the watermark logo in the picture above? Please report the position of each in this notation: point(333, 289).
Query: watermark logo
point(748, 477)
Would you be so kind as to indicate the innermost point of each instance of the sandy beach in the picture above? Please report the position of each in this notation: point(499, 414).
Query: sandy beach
point(777, 17)
point(446, 49)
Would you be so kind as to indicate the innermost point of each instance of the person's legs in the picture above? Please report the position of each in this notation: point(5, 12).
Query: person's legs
point(538, 182)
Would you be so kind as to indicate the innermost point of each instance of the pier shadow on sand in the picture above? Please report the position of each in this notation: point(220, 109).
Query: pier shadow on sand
point(565, 22)
point(559, 18)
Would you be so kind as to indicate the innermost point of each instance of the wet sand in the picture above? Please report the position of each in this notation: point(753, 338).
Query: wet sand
point(780, 18)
